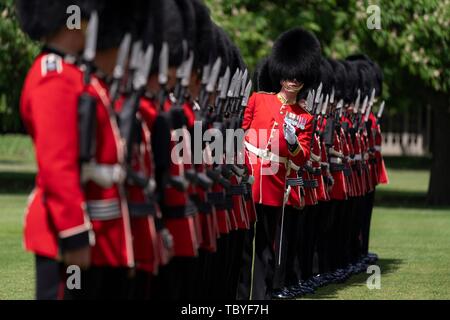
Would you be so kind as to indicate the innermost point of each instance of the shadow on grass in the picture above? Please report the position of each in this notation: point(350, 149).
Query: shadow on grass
point(16, 182)
point(398, 198)
point(331, 291)
point(411, 163)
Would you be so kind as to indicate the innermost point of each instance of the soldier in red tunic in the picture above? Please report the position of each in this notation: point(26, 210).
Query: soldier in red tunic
point(57, 229)
point(72, 201)
point(279, 131)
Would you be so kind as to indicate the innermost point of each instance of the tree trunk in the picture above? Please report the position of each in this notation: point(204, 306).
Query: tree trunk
point(439, 187)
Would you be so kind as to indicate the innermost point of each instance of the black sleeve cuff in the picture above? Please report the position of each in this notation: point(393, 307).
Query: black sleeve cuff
point(74, 242)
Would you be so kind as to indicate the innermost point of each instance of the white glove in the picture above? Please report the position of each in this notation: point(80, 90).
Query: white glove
point(289, 133)
point(167, 239)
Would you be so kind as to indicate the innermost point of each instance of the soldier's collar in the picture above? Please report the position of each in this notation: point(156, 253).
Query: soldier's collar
point(68, 58)
point(285, 101)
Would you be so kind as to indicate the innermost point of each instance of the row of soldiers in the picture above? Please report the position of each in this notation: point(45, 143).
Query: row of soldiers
point(321, 235)
point(106, 105)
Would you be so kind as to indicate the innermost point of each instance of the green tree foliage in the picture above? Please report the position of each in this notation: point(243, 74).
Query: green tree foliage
point(16, 55)
point(411, 46)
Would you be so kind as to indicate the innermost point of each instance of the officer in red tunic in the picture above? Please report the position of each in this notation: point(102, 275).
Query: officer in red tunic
point(279, 131)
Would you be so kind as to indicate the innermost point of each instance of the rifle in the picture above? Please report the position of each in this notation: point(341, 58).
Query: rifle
point(380, 112)
point(87, 104)
point(163, 75)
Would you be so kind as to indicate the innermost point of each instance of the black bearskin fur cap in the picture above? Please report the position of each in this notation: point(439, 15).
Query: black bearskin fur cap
point(187, 11)
point(376, 74)
point(238, 61)
point(115, 20)
point(41, 18)
point(172, 30)
point(261, 77)
point(223, 51)
point(204, 37)
point(295, 55)
point(352, 83)
point(326, 76)
point(340, 79)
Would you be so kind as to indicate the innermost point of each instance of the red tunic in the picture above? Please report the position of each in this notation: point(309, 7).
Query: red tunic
point(382, 174)
point(339, 189)
point(59, 207)
point(143, 212)
point(317, 152)
point(185, 229)
point(264, 119)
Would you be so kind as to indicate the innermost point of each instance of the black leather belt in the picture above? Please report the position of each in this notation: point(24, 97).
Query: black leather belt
point(334, 167)
point(237, 190)
point(177, 212)
point(216, 198)
point(202, 206)
point(141, 210)
point(310, 184)
point(310, 169)
point(248, 192)
point(294, 182)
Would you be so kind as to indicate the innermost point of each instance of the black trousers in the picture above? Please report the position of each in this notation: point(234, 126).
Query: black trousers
point(265, 259)
point(49, 279)
point(96, 283)
point(288, 271)
point(325, 237)
point(177, 280)
point(308, 241)
point(204, 275)
point(366, 221)
point(355, 230)
point(236, 249)
point(245, 275)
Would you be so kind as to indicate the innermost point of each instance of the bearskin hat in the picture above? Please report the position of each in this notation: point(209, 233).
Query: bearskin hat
point(238, 61)
point(187, 11)
point(223, 51)
point(295, 55)
point(172, 29)
point(152, 34)
point(326, 76)
point(352, 83)
point(261, 77)
point(115, 20)
point(204, 37)
point(376, 74)
point(41, 18)
point(340, 79)
point(364, 76)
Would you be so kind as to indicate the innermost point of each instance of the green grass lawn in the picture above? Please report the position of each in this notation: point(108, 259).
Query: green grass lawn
point(413, 241)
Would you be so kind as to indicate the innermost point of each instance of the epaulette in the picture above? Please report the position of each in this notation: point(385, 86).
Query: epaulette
point(51, 63)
